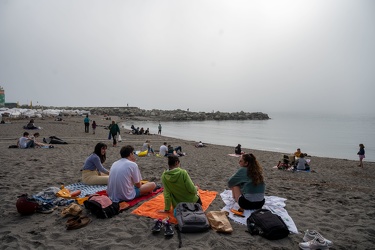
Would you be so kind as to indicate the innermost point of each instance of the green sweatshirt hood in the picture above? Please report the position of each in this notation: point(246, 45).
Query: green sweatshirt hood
point(173, 175)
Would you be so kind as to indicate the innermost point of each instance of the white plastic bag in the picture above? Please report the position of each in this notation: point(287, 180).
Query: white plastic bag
point(119, 138)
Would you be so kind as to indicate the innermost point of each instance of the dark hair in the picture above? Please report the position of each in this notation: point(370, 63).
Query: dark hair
point(98, 151)
point(36, 134)
point(254, 170)
point(25, 133)
point(172, 159)
point(126, 151)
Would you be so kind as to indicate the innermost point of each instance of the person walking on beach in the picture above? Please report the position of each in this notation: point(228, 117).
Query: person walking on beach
point(124, 182)
point(114, 130)
point(247, 184)
point(159, 129)
point(86, 121)
point(93, 127)
point(361, 154)
point(93, 172)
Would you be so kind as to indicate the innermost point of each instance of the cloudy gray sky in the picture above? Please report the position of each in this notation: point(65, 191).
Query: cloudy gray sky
point(263, 55)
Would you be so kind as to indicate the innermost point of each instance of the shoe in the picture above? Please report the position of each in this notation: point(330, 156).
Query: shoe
point(317, 243)
point(312, 234)
point(77, 222)
point(157, 227)
point(46, 208)
point(168, 229)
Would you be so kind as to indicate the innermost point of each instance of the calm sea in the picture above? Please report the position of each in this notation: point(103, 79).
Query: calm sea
point(334, 136)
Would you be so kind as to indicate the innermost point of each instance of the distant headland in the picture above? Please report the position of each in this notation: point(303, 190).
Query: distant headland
point(136, 113)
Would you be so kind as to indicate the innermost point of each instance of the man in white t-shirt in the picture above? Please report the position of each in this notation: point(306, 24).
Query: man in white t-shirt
point(124, 183)
point(163, 149)
point(25, 141)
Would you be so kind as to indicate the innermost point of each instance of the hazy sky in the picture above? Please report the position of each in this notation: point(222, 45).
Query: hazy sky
point(263, 55)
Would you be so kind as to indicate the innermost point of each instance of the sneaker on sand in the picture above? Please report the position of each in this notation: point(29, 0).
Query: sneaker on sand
point(312, 234)
point(317, 243)
point(157, 227)
point(168, 229)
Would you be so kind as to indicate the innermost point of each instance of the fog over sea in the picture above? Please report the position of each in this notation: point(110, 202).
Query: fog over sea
point(333, 136)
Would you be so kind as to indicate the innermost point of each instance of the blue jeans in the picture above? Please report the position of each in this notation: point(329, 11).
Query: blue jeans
point(30, 144)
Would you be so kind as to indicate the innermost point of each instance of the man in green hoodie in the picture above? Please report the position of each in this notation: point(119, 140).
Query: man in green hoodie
point(178, 187)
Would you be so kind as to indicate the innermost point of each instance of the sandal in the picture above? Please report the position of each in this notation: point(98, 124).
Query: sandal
point(77, 222)
point(72, 209)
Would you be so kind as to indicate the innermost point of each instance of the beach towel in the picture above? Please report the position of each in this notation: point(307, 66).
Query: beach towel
point(102, 190)
point(273, 203)
point(85, 189)
point(234, 155)
point(128, 204)
point(152, 207)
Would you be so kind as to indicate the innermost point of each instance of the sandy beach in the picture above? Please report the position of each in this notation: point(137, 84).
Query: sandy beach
point(337, 199)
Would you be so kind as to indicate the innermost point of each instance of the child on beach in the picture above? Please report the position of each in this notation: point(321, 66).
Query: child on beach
point(361, 154)
point(93, 127)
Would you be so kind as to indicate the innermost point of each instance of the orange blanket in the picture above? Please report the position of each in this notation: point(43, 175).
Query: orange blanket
point(153, 207)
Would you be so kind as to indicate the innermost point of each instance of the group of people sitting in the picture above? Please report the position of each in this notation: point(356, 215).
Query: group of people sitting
point(296, 161)
point(31, 141)
point(124, 179)
point(170, 150)
point(139, 131)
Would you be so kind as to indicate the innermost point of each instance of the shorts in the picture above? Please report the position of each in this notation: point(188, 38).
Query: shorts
point(246, 204)
point(361, 157)
point(137, 192)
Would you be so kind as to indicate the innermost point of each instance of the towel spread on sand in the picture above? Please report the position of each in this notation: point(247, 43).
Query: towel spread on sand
point(85, 189)
point(234, 155)
point(135, 201)
point(152, 207)
point(273, 203)
point(102, 190)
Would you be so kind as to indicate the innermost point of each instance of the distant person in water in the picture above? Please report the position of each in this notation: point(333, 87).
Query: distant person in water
point(159, 129)
point(361, 154)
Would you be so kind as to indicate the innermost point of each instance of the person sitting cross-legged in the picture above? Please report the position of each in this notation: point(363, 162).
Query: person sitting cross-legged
point(178, 186)
point(124, 182)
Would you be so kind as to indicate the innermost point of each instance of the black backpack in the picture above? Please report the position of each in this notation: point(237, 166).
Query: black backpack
point(267, 224)
point(191, 218)
point(102, 206)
